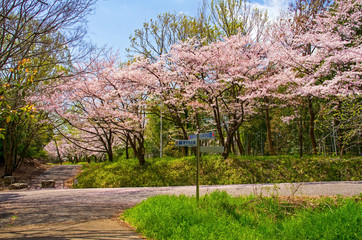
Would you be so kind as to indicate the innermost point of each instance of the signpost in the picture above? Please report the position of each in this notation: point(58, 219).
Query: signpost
point(185, 143)
point(203, 136)
point(194, 141)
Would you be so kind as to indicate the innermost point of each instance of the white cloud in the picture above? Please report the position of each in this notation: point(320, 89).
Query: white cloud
point(274, 7)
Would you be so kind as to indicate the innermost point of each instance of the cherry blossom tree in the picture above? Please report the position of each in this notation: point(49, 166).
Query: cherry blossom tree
point(104, 106)
point(216, 86)
point(60, 149)
point(220, 79)
point(166, 89)
point(77, 109)
point(128, 94)
point(331, 67)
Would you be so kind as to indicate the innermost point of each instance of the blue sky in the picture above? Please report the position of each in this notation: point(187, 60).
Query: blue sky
point(115, 20)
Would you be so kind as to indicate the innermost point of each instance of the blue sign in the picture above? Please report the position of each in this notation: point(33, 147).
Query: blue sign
point(203, 136)
point(185, 143)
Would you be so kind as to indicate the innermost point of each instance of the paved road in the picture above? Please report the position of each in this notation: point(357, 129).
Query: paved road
point(94, 229)
point(60, 173)
point(49, 206)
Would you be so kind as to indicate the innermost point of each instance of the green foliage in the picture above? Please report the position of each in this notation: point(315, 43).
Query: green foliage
point(220, 216)
point(158, 35)
point(128, 173)
point(24, 130)
point(343, 222)
point(215, 170)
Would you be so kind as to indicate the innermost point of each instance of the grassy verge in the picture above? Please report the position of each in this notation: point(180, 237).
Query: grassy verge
point(220, 216)
point(70, 163)
point(216, 170)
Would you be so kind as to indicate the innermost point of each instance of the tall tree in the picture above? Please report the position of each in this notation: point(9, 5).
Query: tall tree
point(304, 13)
point(157, 35)
point(24, 23)
point(36, 39)
point(237, 16)
point(217, 78)
point(331, 69)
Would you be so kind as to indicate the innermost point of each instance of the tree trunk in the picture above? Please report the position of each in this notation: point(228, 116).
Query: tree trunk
point(58, 154)
point(109, 146)
point(248, 147)
point(311, 127)
point(227, 149)
point(9, 162)
point(229, 140)
point(141, 151)
point(9, 153)
point(218, 123)
point(110, 155)
point(184, 150)
point(239, 143)
point(141, 159)
point(127, 153)
point(338, 133)
point(300, 136)
point(138, 148)
point(232, 145)
point(268, 132)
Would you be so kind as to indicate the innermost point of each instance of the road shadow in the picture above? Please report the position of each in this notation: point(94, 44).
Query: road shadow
point(97, 229)
point(8, 196)
point(23, 215)
point(74, 234)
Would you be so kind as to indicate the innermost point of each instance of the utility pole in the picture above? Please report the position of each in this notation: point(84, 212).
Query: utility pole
point(334, 139)
point(197, 158)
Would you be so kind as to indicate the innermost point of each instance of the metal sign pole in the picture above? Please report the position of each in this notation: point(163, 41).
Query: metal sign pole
point(161, 131)
point(194, 141)
point(197, 168)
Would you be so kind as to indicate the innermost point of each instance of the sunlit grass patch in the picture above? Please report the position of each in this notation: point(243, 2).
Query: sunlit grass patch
point(220, 216)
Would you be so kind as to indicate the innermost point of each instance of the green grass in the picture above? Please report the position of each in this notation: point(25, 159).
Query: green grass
point(77, 163)
point(68, 163)
point(220, 216)
point(216, 170)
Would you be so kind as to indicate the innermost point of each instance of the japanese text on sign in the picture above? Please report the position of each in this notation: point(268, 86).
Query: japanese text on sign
point(185, 143)
point(203, 136)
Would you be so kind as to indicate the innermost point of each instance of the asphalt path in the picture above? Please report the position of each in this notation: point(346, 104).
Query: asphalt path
point(61, 205)
point(60, 173)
